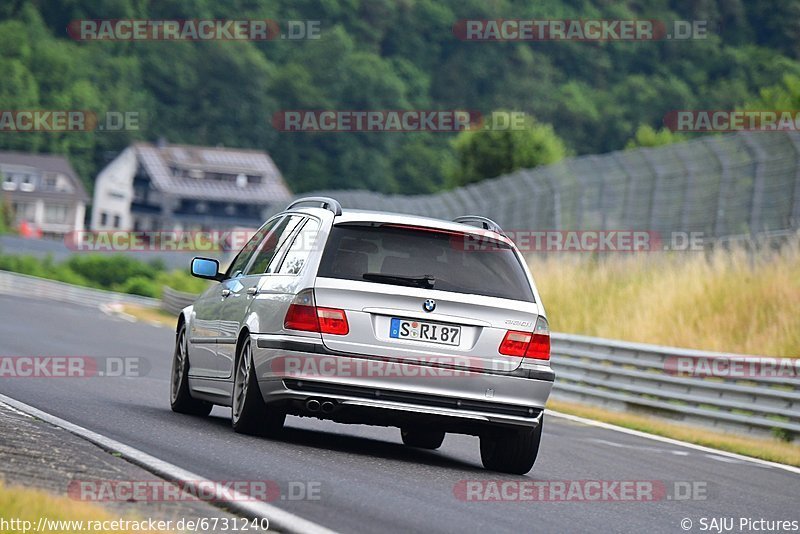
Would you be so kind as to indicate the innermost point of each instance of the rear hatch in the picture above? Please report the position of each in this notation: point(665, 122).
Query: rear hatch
point(423, 294)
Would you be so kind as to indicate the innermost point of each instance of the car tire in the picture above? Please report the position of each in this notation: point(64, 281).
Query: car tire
point(511, 452)
point(422, 439)
point(249, 413)
point(180, 397)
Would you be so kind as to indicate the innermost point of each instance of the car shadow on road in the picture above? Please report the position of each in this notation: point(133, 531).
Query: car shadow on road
point(333, 441)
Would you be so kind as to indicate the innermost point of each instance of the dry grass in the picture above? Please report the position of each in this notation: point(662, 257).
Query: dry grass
point(766, 449)
point(724, 301)
point(30, 505)
point(151, 315)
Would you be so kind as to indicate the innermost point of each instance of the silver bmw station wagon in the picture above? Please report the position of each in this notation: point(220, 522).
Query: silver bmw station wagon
point(372, 318)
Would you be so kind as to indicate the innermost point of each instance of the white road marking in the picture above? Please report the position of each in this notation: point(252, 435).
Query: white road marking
point(638, 447)
point(717, 452)
point(241, 504)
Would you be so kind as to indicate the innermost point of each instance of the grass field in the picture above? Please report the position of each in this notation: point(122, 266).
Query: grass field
point(20, 505)
point(723, 301)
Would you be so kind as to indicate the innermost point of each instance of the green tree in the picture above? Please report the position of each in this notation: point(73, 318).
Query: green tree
point(497, 148)
point(783, 96)
point(647, 136)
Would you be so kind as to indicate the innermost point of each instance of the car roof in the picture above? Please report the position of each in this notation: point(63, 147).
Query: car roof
point(356, 216)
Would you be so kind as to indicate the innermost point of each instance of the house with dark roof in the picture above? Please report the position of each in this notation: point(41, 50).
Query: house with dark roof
point(43, 193)
point(178, 187)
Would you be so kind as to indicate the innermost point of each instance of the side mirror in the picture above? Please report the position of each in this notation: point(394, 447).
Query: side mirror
point(206, 268)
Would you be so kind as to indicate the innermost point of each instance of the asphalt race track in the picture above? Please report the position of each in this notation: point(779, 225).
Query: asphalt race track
point(368, 480)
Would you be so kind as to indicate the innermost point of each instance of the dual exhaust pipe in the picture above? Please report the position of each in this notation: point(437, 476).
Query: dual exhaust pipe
point(324, 406)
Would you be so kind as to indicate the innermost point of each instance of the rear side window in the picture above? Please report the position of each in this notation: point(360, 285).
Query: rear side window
point(441, 259)
point(273, 243)
point(301, 248)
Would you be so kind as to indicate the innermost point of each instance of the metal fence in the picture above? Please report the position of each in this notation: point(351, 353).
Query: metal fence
point(174, 301)
point(746, 183)
point(637, 376)
point(23, 285)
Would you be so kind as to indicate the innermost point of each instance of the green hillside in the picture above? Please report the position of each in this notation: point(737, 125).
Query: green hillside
point(380, 54)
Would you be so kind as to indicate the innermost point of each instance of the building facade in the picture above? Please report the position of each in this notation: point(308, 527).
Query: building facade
point(43, 193)
point(152, 187)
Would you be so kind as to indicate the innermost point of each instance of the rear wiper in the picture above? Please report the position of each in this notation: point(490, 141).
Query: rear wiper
point(425, 281)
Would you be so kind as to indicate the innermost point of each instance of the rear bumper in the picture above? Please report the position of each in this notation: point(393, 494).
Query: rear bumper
point(370, 390)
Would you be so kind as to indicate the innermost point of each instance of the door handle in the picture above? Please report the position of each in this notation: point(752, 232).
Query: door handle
point(226, 292)
point(252, 291)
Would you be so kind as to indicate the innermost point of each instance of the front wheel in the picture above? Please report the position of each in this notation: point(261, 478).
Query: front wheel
point(180, 398)
point(249, 413)
point(511, 451)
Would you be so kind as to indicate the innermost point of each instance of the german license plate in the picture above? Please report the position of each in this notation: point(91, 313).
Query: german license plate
point(425, 331)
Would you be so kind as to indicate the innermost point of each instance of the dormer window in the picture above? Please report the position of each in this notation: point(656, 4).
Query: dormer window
point(26, 183)
point(8, 183)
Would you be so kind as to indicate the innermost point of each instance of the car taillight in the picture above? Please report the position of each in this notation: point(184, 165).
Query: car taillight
point(515, 343)
point(303, 314)
point(300, 317)
point(534, 345)
point(539, 347)
point(332, 321)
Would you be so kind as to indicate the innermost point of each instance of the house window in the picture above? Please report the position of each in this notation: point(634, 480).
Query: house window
point(8, 183)
point(24, 211)
point(49, 182)
point(26, 183)
point(55, 213)
point(103, 218)
point(116, 221)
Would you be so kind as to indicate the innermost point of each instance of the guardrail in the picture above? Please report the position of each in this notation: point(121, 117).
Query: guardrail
point(616, 374)
point(31, 286)
point(174, 301)
point(638, 376)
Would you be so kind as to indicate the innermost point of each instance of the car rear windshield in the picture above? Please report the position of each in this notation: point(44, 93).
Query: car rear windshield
point(446, 261)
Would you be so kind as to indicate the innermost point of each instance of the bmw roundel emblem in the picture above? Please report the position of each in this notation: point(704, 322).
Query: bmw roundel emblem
point(429, 305)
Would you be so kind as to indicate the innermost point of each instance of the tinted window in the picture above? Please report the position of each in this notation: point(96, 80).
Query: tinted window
point(273, 244)
point(301, 247)
point(495, 271)
point(241, 260)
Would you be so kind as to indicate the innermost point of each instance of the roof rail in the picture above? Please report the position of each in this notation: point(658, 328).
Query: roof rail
point(328, 203)
point(485, 222)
